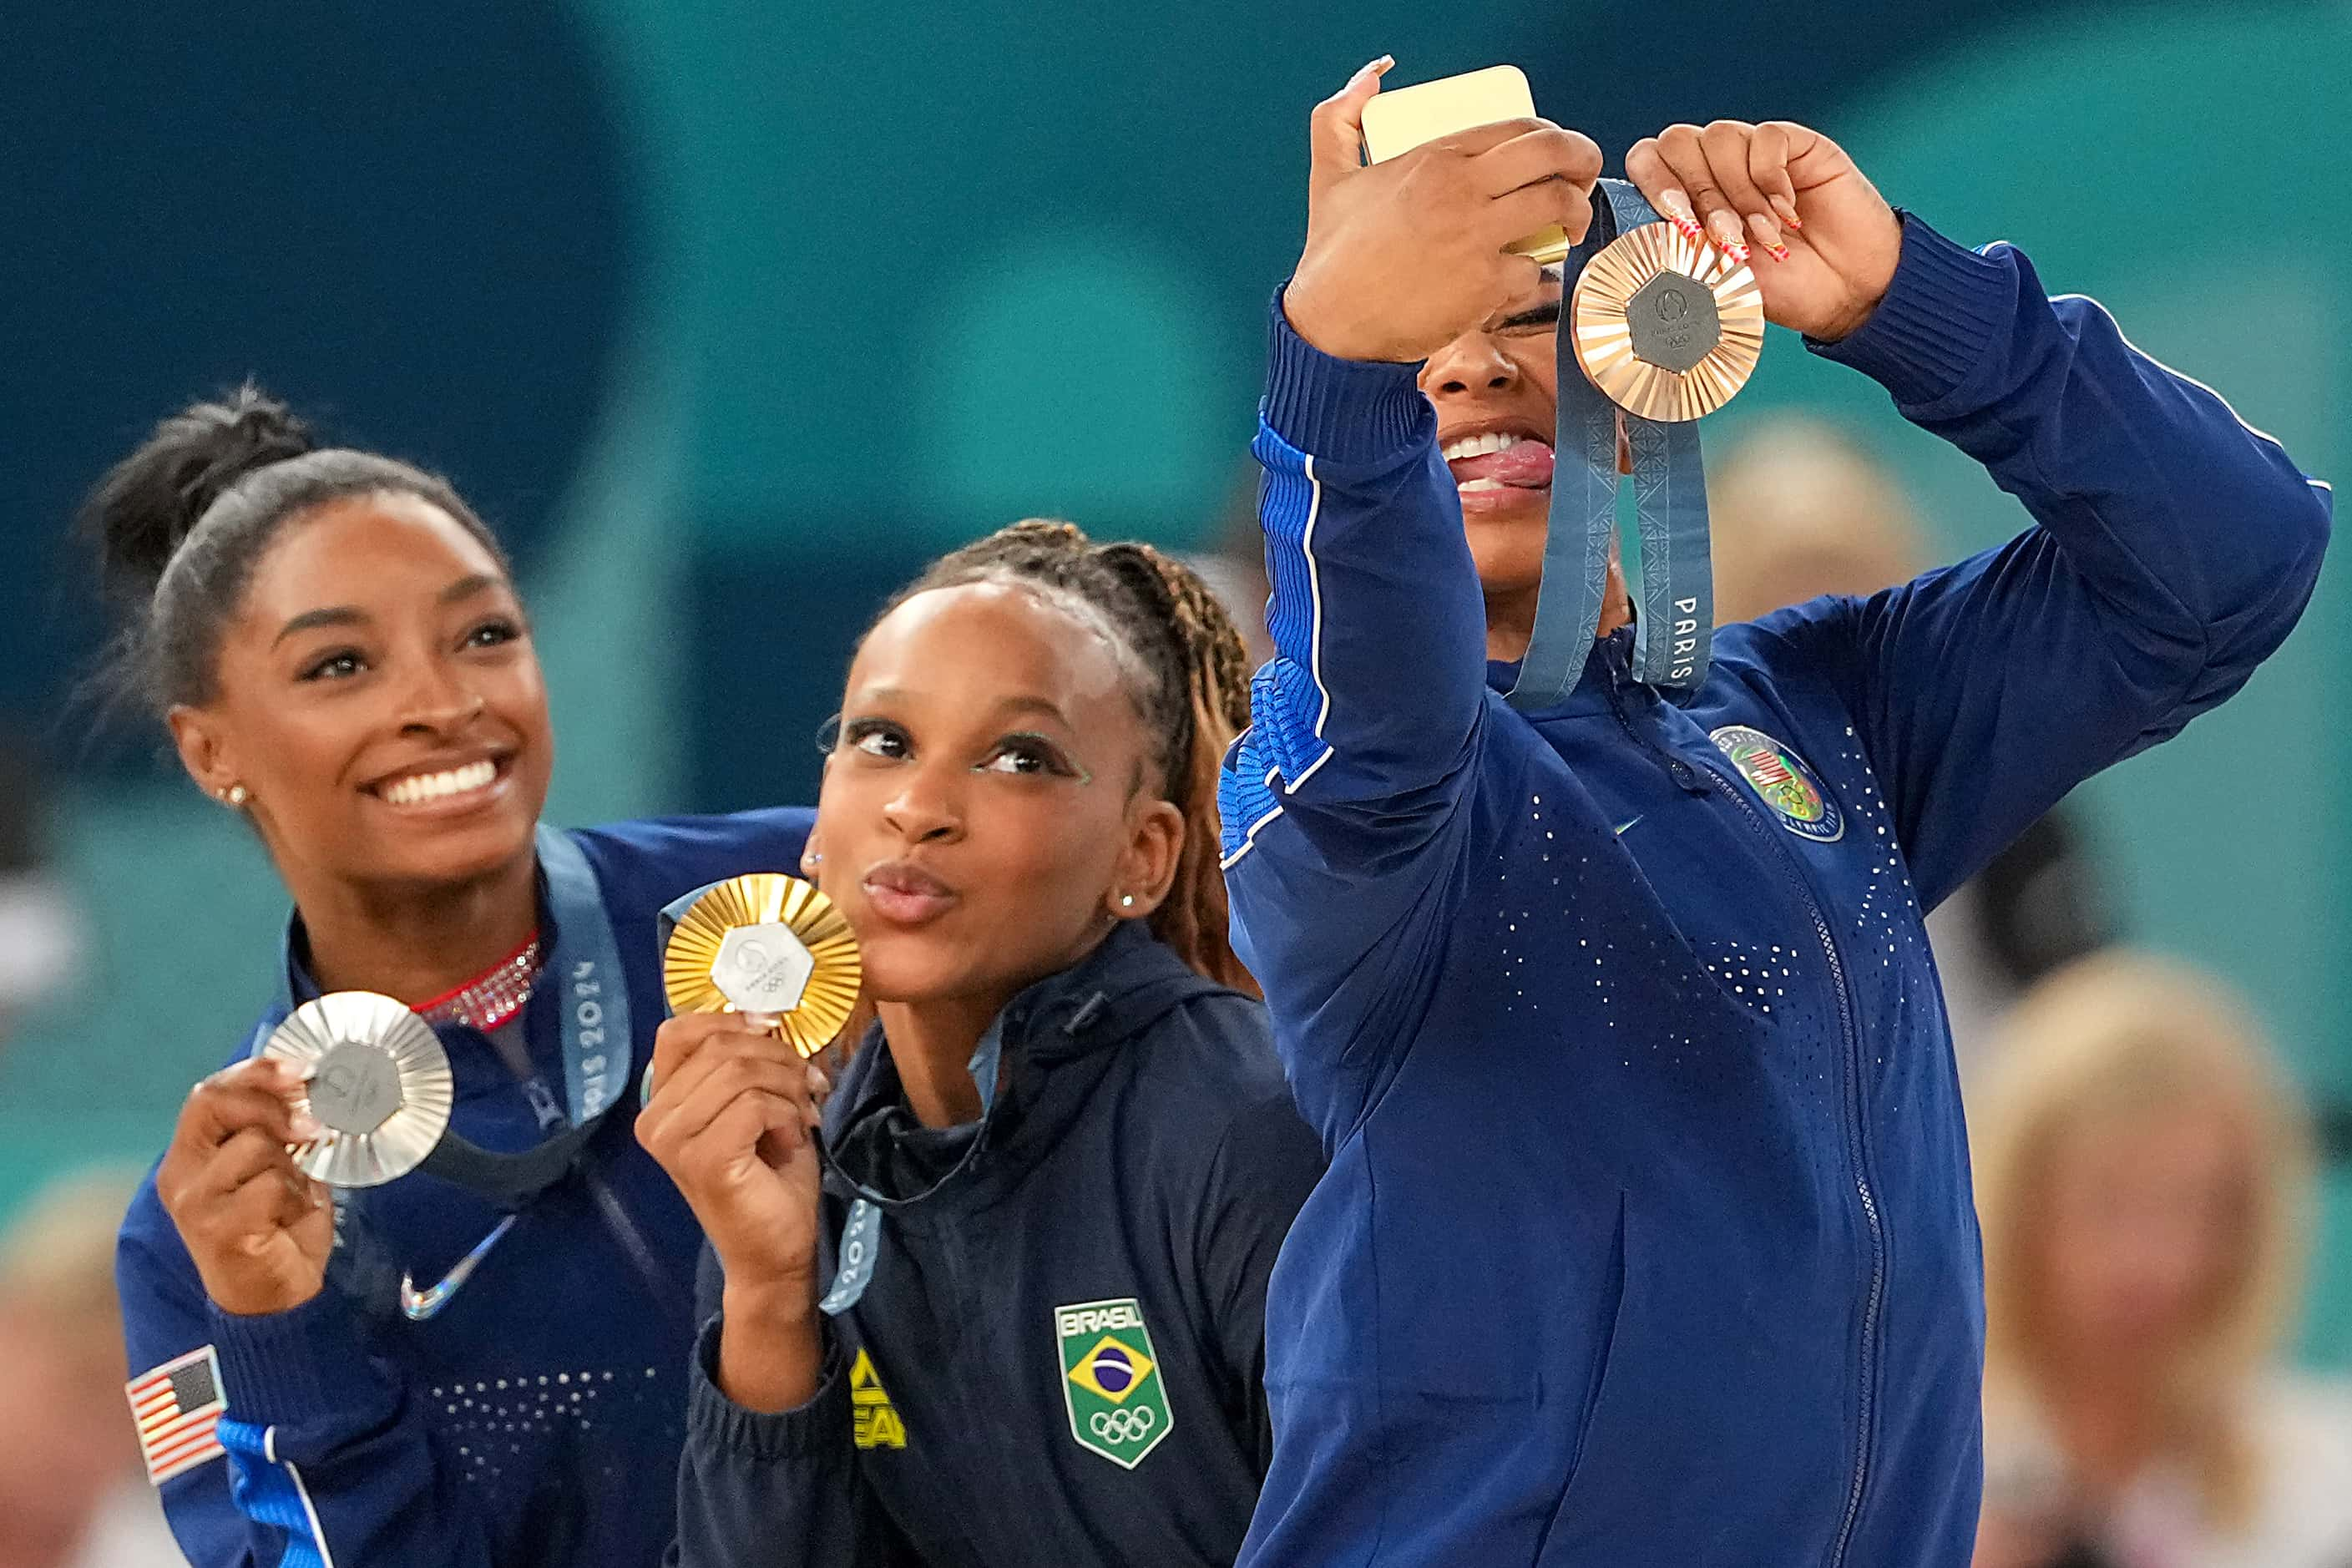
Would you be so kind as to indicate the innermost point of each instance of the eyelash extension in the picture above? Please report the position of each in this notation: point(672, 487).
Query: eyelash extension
point(1057, 759)
point(831, 733)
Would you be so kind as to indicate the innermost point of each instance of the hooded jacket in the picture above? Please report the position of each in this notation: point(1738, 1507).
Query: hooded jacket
point(1058, 1356)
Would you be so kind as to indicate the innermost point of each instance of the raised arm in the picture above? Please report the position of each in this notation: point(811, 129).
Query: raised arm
point(1378, 622)
point(770, 1472)
point(2174, 546)
point(1340, 805)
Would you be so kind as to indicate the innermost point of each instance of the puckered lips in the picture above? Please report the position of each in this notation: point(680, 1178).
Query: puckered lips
point(1496, 463)
point(906, 894)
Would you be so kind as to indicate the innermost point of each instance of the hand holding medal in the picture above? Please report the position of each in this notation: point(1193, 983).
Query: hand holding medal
point(752, 964)
point(257, 1229)
point(1828, 240)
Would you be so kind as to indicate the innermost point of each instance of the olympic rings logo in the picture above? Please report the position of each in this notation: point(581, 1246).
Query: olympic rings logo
point(1122, 1426)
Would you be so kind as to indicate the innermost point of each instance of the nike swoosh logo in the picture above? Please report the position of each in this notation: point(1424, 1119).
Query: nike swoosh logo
point(420, 1305)
point(1629, 823)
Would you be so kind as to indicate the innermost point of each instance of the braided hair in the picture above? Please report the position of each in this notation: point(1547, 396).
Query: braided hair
point(1188, 673)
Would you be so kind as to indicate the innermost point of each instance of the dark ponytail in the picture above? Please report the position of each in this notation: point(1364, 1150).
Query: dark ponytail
point(1190, 681)
point(179, 525)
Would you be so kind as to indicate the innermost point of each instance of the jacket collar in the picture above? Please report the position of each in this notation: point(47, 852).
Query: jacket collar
point(1050, 1032)
point(1612, 658)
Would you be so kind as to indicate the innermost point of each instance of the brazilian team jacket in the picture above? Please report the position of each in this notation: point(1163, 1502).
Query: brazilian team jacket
point(535, 1421)
point(1059, 1357)
point(1647, 1237)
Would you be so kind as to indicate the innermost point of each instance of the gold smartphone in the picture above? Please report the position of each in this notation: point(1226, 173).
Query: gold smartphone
point(1397, 120)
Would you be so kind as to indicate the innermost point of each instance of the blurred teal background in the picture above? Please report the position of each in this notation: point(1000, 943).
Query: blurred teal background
point(730, 313)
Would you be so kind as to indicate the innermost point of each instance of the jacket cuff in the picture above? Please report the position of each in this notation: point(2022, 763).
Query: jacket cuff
point(712, 1420)
point(1355, 411)
point(283, 1369)
point(1941, 314)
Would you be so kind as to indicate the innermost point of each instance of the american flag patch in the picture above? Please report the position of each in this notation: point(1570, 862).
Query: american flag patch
point(177, 1406)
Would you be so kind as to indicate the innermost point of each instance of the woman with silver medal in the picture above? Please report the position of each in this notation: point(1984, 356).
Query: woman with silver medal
point(403, 1288)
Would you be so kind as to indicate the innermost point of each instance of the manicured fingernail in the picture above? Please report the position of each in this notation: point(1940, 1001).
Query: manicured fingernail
point(1731, 245)
point(1678, 211)
point(1787, 211)
point(305, 1127)
point(1768, 235)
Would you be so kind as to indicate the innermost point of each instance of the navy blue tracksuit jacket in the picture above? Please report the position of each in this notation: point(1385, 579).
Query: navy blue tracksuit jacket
point(535, 1421)
point(1121, 1213)
point(1647, 1237)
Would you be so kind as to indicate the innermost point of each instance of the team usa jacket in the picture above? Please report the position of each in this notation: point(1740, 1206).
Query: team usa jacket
point(534, 1420)
point(1647, 1237)
point(1059, 1357)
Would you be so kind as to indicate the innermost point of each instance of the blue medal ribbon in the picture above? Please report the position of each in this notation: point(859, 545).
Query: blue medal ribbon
point(582, 974)
point(861, 1233)
point(1674, 629)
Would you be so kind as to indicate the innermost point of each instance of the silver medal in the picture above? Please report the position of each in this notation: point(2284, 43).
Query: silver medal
point(374, 1077)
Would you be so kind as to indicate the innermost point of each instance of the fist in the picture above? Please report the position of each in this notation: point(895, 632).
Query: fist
point(1404, 256)
point(1828, 241)
point(258, 1229)
point(734, 1119)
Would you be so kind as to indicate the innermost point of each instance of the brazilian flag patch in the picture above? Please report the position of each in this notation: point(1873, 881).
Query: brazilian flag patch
point(1110, 1380)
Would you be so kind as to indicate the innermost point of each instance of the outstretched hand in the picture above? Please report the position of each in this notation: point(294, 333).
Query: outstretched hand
point(1405, 256)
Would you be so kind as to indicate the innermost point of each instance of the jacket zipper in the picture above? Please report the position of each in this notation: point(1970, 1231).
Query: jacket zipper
point(1855, 1153)
point(1682, 774)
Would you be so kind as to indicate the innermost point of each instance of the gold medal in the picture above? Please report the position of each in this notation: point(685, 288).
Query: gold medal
point(374, 1077)
point(1665, 328)
point(767, 944)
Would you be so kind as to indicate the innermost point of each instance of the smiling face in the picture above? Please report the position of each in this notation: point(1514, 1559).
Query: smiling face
point(1496, 393)
point(379, 697)
point(990, 798)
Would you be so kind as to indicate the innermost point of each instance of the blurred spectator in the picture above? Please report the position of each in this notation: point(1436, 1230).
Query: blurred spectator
point(2144, 1180)
point(39, 928)
point(1798, 511)
point(72, 1494)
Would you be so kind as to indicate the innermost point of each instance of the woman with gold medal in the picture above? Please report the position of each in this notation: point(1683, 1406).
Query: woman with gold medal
point(469, 1357)
point(1010, 1310)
